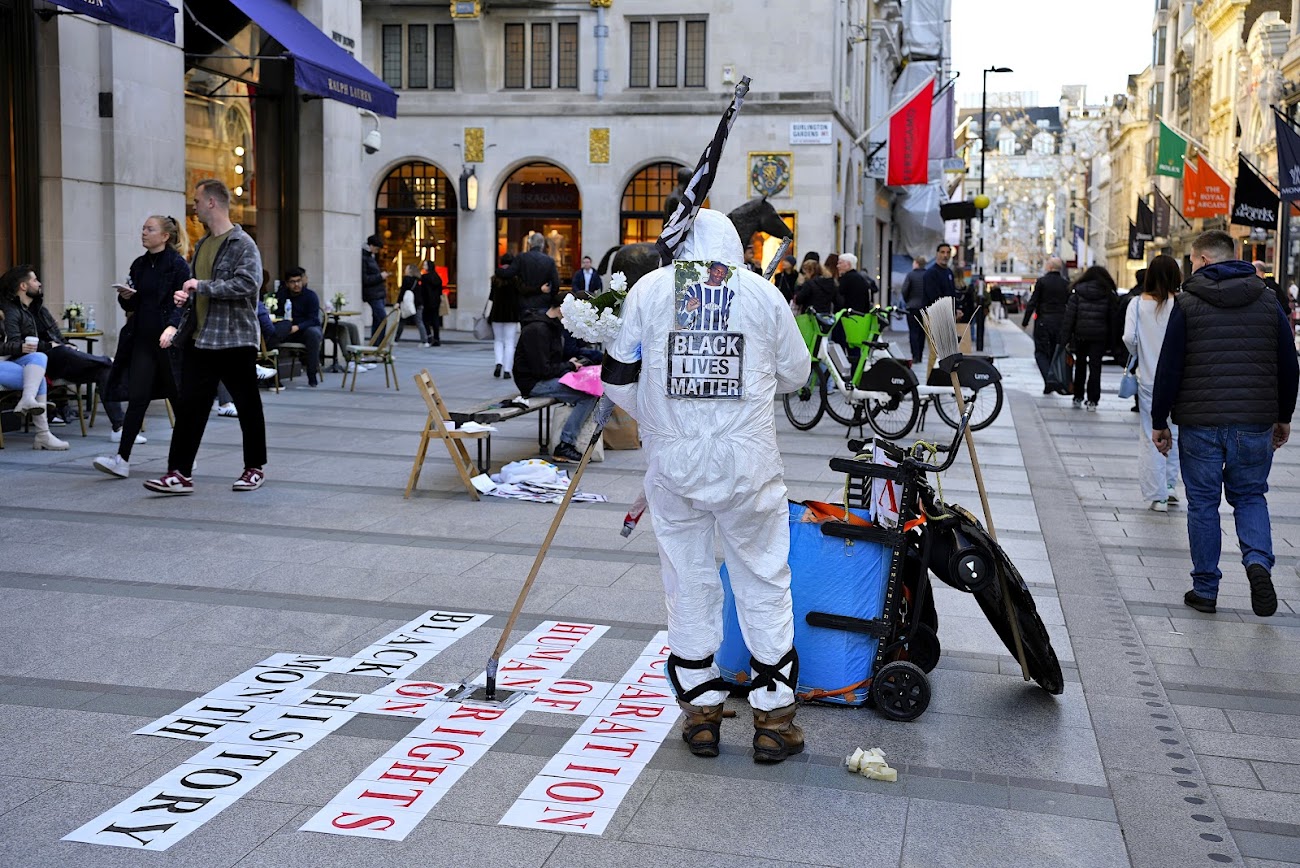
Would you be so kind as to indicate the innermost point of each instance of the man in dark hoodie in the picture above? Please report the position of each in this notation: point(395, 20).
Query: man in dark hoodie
point(1228, 375)
point(374, 282)
point(1051, 292)
point(540, 362)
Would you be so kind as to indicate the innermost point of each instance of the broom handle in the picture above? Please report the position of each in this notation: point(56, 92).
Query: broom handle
point(1012, 619)
point(546, 545)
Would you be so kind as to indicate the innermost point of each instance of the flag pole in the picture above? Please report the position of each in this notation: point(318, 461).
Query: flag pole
point(894, 108)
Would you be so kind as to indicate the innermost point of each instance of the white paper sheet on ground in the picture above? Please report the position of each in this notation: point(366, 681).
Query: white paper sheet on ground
point(483, 483)
point(557, 817)
point(535, 493)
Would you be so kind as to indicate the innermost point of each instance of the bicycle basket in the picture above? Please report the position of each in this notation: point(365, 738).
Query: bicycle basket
point(860, 328)
point(810, 329)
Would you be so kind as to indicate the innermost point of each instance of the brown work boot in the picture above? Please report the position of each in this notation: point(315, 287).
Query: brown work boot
point(776, 735)
point(702, 728)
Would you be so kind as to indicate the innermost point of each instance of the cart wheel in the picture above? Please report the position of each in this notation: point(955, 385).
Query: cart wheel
point(901, 690)
point(924, 649)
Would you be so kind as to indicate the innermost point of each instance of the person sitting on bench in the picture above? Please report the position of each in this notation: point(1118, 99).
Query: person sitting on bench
point(539, 363)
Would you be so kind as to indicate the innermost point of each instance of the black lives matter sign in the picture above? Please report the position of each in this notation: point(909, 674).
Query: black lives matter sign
point(705, 364)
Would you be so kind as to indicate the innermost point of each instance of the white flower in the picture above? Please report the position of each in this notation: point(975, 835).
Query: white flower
point(585, 322)
point(618, 281)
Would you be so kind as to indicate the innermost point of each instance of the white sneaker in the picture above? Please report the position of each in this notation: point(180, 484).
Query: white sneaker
point(264, 373)
point(1158, 506)
point(1092, 406)
point(116, 437)
point(113, 465)
point(228, 410)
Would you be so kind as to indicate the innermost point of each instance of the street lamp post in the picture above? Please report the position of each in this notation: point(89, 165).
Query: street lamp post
point(984, 125)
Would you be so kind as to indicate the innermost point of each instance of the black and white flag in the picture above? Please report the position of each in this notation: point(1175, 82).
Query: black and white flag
point(674, 232)
point(1253, 203)
point(1136, 246)
point(1161, 224)
point(1146, 221)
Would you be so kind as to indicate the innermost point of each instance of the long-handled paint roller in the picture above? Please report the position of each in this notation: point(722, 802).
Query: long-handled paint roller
point(940, 322)
point(488, 693)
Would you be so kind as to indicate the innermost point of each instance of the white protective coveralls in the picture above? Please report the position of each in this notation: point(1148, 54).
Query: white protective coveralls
point(714, 462)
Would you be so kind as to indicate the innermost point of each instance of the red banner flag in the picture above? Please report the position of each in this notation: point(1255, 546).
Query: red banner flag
point(908, 159)
point(1205, 193)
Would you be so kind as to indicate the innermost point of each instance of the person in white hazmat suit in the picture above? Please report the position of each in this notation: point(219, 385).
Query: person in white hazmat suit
point(704, 403)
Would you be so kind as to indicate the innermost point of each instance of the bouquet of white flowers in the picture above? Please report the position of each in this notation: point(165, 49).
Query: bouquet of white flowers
point(340, 300)
point(272, 303)
point(596, 320)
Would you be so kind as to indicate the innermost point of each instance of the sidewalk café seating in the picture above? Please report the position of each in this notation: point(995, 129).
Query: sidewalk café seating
point(295, 351)
point(378, 351)
point(439, 425)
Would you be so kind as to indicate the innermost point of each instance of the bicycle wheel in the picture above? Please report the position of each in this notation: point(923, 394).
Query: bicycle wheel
point(804, 408)
point(987, 401)
point(895, 417)
point(841, 409)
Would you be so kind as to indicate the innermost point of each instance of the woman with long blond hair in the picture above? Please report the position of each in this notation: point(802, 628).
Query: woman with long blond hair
point(142, 367)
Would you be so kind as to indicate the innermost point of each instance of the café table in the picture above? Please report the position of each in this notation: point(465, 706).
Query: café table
point(334, 317)
point(89, 336)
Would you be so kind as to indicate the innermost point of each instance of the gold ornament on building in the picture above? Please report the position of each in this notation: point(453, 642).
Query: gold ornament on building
point(465, 9)
point(601, 4)
point(598, 143)
point(473, 144)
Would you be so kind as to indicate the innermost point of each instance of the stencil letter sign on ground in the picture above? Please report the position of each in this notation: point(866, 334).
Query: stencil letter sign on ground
point(399, 789)
point(263, 718)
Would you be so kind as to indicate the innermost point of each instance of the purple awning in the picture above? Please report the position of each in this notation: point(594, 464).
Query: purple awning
point(149, 17)
point(319, 65)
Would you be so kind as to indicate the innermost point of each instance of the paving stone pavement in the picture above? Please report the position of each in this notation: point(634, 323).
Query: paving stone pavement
point(1176, 742)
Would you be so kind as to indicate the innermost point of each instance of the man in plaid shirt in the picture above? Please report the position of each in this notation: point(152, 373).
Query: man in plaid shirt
point(219, 341)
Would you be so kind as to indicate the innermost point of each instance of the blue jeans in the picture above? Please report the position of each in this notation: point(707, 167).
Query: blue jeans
point(581, 402)
point(1235, 460)
point(11, 372)
point(377, 313)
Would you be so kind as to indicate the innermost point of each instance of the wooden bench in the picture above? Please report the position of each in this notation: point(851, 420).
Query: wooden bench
point(501, 410)
point(447, 425)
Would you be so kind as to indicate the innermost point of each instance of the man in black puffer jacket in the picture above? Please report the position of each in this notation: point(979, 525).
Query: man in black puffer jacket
point(1051, 292)
point(1091, 323)
point(1228, 373)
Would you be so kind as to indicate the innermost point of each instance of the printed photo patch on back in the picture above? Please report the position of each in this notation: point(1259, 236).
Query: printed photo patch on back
point(705, 360)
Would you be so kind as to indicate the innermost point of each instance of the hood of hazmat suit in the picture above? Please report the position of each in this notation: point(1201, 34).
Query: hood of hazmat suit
point(710, 449)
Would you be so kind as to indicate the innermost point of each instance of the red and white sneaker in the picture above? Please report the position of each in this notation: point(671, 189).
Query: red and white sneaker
point(171, 482)
point(251, 480)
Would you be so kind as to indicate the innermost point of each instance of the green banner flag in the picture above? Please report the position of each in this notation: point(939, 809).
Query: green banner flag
point(1173, 148)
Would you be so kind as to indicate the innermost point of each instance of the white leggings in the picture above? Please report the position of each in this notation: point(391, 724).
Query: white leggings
point(506, 335)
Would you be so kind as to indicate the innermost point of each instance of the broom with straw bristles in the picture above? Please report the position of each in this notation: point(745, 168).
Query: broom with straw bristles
point(940, 323)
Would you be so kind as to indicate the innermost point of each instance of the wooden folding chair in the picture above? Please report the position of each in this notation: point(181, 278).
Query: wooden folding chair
point(436, 426)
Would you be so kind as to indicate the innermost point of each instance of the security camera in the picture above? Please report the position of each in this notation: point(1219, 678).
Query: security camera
point(372, 142)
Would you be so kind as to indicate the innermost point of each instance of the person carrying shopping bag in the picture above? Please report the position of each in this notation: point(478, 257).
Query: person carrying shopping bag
point(1144, 332)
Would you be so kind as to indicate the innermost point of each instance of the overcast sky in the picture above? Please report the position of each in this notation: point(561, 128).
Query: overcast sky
point(1050, 43)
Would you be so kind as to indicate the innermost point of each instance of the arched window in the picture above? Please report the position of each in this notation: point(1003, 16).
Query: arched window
point(541, 197)
point(415, 214)
point(641, 214)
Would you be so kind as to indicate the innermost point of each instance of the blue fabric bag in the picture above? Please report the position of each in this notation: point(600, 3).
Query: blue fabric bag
point(830, 575)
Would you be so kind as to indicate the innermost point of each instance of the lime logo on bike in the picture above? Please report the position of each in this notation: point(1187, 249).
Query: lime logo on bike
point(705, 364)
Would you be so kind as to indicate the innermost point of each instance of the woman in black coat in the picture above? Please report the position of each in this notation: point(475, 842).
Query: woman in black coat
point(1091, 324)
point(505, 295)
point(143, 366)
